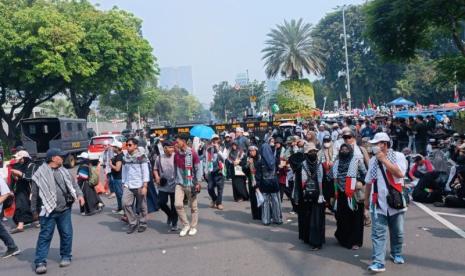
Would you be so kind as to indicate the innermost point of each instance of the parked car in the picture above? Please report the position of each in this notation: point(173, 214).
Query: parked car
point(98, 144)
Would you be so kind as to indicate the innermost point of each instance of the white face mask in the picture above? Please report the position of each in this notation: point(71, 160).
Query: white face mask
point(375, 149)
point(327, 145)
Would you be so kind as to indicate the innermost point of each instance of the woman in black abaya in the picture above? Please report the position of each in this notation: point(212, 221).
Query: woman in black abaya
point(349, 213)
point(237, 157)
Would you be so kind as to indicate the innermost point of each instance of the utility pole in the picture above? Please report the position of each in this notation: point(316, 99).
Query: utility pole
point(347, 58)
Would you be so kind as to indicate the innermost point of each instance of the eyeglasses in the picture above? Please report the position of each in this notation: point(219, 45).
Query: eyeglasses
point(346, 137)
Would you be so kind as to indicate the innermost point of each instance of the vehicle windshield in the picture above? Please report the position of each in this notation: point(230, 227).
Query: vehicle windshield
point(101, 141)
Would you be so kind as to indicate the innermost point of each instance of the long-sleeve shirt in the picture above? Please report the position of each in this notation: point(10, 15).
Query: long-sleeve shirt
point(179, 164)
point(134, 175)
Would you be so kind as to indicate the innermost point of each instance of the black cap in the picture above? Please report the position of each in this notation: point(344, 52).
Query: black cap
point(55, 152)
point(183, 136)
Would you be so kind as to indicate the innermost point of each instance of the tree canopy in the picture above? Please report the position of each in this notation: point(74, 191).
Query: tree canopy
point(291, 50)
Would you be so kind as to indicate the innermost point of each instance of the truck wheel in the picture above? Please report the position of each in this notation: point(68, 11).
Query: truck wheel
point(70, 161)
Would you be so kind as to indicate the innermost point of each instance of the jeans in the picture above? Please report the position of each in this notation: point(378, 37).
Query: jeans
point(380, 224)
point(117, 185)
point(47, 227)
point(6, 237)
point(169, 211)
point(271, 208)
point(216, 180)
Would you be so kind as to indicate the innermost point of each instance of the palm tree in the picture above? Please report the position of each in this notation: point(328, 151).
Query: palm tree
point(291, 50)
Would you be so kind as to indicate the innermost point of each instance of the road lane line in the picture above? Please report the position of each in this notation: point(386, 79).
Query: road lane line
point(442, 220)
point(451, 215)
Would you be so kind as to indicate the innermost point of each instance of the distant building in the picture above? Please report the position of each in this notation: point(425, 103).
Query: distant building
point(242, 79)
point(177, 76)
point(272, 85)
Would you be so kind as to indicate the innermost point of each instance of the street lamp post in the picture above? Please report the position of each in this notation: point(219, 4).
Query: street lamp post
point(347, 57)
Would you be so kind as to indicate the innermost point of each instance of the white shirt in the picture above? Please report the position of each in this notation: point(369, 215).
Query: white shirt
point(383, 207)
point(4, 189)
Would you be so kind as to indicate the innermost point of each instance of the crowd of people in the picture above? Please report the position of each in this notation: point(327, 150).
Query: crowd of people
point(362, 172)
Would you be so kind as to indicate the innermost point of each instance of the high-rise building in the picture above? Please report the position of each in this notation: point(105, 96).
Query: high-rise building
point(177, 76)
point(242, 79)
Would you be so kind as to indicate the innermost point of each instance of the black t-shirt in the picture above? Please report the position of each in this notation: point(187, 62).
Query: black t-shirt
point(116, 158)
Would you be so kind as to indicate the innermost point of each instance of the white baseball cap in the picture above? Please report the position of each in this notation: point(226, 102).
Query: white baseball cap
point(117, 144)
point(83, 155)
point(21, 154)
point(215, 136)
point(380, 137)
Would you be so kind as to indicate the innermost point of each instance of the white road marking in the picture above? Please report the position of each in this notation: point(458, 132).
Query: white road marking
point(442, 220)
point(451, 215)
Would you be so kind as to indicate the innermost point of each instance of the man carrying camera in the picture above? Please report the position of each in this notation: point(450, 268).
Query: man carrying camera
point(384, 185)
point(164, 178)
point(57, 190)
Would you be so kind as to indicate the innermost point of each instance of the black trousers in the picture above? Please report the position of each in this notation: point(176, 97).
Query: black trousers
point(169, 211)
point(215, 180)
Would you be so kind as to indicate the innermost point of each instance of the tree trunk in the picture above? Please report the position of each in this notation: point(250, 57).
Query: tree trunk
point(129, 120)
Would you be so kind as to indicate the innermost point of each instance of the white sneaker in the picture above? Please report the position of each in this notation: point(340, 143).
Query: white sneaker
point(193, 231)
point(184, 231)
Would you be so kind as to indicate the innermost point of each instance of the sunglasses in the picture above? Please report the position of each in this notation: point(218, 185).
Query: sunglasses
point(347, 137)
point(130, 145)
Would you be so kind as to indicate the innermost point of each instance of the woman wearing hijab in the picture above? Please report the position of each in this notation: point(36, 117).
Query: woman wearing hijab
point(326, 159)
point(310, 137)
point(347, 171)
point(268, 186)
point(87, 178)
point(21, 173)
point(237, 157)
point(310, 200)
point(253, 161)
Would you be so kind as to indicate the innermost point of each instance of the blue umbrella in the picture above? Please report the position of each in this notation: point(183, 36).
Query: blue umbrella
point(202, 131)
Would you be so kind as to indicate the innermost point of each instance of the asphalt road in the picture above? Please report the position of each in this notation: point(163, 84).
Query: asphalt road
point(229, 242)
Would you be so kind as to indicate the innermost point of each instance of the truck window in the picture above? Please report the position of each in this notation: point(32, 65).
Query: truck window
point(32, 129)
point(69, 126)
point(79, 126)
point(45, 129)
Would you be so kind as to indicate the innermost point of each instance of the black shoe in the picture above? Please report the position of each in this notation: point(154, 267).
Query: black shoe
point(132, 229)
point(41, 268)
point(11, 252)
point(142, 227)
point(439, 204)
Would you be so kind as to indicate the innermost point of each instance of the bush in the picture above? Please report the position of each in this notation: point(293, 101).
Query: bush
point(295, 96)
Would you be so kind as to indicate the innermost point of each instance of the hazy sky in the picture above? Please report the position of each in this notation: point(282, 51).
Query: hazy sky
point(218, 38)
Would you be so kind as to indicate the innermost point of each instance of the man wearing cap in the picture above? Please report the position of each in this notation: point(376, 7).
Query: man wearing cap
point(242, 141)
point(188, 177)
point(57, 190)
point(116, 181)
point(392, 166)
point(213, 171)
point(164, 174)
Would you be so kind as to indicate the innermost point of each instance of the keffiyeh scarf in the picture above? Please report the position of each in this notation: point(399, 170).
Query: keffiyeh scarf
point(345, 179)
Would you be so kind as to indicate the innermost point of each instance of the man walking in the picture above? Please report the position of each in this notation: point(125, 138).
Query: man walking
point(135, 178)
point(188, 175)
point(165, 180)
point(214, 172)
point(387, 167)
point(11, 248)
point(57, 190)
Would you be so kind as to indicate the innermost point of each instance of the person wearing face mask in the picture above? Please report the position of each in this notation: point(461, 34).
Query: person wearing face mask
point(347, 171)
point(387, 167)
point(310, 199)
point(326, 159)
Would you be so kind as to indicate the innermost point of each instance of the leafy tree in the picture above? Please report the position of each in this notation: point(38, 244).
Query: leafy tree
point(291, 50)
point(400, 27)
point(39, 56)
point(295, 96)
point(229, 102)
point(59, 108)
point(370, 76)
point(118, 56)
